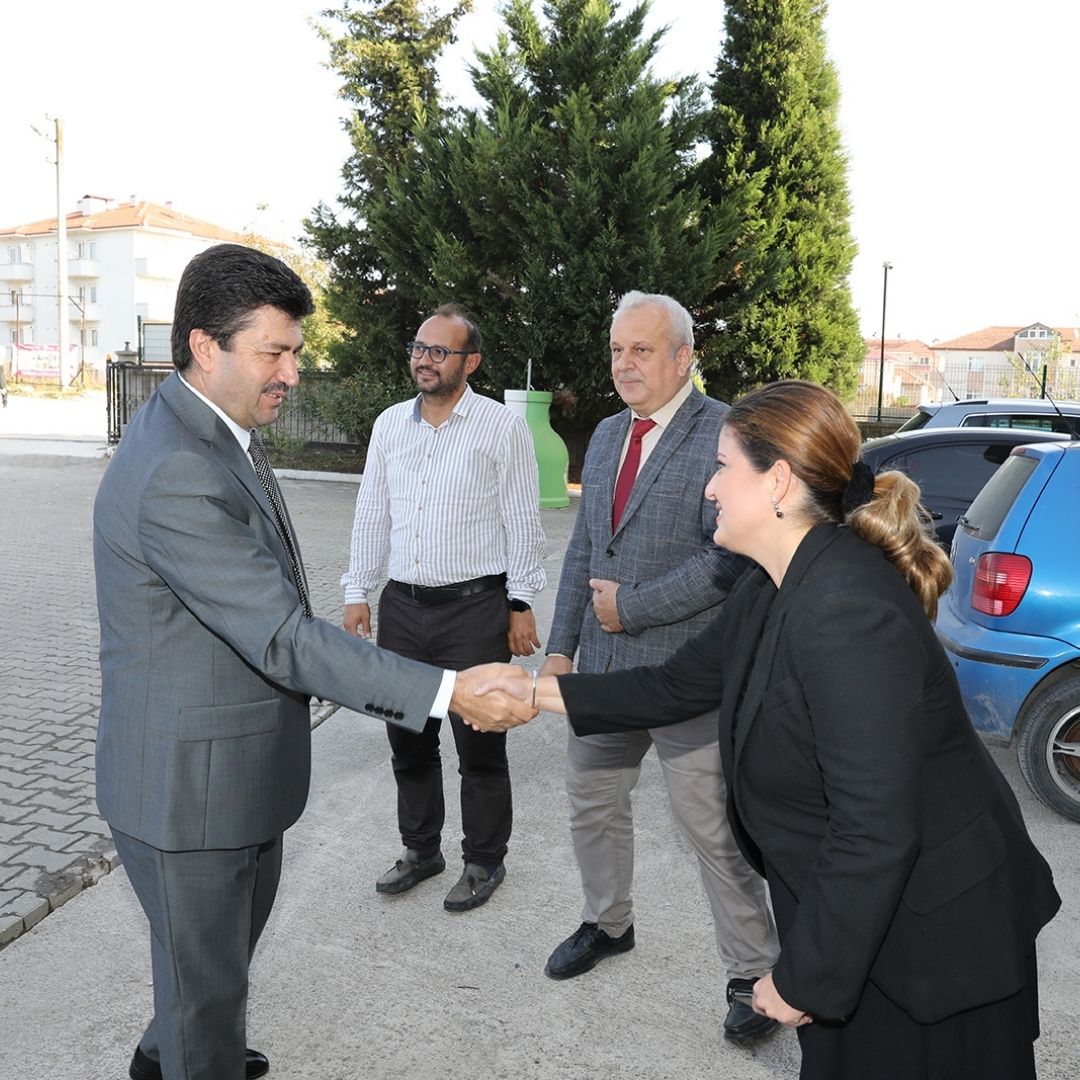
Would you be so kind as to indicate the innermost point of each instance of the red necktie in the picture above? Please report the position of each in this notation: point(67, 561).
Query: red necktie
point(628, 473)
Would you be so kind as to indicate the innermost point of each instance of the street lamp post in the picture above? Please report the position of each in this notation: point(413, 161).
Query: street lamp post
point(887, 266)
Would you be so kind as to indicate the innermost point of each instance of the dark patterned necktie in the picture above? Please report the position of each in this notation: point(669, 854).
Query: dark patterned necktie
point(257, 450)
point(628, 473)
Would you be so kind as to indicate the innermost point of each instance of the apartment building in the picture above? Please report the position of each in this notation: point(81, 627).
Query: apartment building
point(124, 261)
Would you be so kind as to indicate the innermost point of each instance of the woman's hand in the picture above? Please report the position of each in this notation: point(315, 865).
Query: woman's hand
point(769, 1003)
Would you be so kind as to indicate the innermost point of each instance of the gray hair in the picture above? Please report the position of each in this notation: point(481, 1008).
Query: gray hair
point(682, 326)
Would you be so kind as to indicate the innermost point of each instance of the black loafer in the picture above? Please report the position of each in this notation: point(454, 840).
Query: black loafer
point(584, 949)
point(741, 1021)
point(143, 1068)
point(474, 887)
point(410, 870)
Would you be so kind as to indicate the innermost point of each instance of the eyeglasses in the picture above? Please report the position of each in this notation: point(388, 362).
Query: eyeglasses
point(437, 353)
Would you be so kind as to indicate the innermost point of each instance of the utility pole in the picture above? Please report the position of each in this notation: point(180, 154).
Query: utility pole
point(61, 255)
point(63, 330)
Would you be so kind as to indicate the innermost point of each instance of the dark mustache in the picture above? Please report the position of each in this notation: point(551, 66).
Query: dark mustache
point(275, 388)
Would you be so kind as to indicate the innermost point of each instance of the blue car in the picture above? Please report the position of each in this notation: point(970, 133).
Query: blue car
point(1010, 622)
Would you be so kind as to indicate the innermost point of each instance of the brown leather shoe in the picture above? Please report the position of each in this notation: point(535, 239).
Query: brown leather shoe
point(410, 870)
point(474, 887)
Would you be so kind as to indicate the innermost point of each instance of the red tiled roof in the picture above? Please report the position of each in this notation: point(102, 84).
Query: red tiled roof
point(129, 215)
point(992, 337)
point(896, 345)
point(1002, 338)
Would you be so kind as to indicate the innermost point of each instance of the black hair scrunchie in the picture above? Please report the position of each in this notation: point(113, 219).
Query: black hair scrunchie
point(860, 488)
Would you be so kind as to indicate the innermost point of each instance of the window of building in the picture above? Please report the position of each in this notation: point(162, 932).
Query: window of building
point(93, 336)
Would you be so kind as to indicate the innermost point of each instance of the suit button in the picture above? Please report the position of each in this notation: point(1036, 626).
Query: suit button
point(399, 716)
point(610, 553)
point(369, 707)
point(378, 710)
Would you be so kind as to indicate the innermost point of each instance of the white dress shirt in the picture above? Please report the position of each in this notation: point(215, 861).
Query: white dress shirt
point(441, 505)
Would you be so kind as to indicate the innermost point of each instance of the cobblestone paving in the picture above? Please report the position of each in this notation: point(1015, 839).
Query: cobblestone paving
point(52, 842)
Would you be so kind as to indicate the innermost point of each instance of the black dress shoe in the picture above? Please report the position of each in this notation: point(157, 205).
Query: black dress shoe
point(143, 1068)
point(584, 949)
point(741, 1021)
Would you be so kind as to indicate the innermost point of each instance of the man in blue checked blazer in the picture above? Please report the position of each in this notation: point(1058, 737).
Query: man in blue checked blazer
point(640, 577)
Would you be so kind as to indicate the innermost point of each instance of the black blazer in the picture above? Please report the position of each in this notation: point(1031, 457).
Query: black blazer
point(855, 776)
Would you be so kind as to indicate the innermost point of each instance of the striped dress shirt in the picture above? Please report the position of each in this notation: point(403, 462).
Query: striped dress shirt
point(441, 505)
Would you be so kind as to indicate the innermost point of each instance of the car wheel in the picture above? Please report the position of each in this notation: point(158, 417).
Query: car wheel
point(1049, 747)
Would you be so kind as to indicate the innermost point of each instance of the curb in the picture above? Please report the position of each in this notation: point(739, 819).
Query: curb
point(26, 910)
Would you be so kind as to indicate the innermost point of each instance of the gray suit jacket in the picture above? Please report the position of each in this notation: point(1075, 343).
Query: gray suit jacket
point(671, 574)
point(207, 660)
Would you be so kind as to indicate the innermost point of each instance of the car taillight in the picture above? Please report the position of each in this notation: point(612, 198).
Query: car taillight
point(1000, 583)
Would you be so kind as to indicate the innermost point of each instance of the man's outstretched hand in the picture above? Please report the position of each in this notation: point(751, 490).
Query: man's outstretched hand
point(497, 710)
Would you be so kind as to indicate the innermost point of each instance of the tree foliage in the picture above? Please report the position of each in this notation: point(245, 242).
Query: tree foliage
point(569, 186)
point(580, 176)
point(386, 57)
point(787, 312)
point(322, 332)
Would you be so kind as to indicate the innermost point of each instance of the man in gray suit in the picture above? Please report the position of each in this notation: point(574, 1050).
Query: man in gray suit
point(641, 576)
point(209, 654)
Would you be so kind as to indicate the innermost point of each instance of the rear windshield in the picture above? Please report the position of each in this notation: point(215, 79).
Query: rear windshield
point(987, 512)
point(1028, 421)
point(920, 419)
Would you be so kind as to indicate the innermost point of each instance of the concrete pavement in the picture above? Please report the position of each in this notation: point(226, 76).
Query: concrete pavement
point(347, 983)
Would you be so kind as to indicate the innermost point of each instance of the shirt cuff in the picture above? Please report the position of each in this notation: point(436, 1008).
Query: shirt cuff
point(528, 595)
point(440, 707)
point(355, 595)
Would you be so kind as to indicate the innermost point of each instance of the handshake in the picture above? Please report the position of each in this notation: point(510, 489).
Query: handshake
point(494, 697)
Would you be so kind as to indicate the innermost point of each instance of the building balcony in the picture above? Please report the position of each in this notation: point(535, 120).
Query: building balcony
point(90, 312)
point(25, 313)
point(84, 268)
point(18, 271)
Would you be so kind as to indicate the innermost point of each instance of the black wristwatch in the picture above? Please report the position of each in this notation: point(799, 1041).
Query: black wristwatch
point(520, 605)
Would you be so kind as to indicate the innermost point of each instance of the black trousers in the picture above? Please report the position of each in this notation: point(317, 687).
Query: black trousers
point(455, 635)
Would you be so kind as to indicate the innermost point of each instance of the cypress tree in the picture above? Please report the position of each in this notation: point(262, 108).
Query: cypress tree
point(386, 56)
point(786, 311)
point(569, 186)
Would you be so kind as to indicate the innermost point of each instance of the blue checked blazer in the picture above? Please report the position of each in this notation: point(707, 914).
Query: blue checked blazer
point(672, 576)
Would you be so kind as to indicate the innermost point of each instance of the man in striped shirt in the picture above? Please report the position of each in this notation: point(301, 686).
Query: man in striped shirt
point(449, 504)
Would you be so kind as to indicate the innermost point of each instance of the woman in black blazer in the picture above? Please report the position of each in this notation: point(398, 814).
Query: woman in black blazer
point(907, 892)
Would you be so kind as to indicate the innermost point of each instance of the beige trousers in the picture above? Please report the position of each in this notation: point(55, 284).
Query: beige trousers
point(602, 771)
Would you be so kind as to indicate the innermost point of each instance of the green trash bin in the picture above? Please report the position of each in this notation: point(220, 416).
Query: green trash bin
point(552, 457)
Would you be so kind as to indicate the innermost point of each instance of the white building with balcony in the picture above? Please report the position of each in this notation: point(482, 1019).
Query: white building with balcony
point(124, 262)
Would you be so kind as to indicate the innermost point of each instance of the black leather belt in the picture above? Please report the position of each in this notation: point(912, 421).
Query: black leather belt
point(443, 594)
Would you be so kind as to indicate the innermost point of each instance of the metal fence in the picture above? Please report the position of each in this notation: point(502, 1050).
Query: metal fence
point(128, 385)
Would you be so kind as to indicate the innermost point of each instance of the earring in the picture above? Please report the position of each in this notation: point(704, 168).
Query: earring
point(776, 510)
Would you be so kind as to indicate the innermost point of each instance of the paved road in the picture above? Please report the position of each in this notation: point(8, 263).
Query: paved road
point(347, 983)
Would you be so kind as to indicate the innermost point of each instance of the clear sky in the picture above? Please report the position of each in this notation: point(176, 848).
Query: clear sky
point(958, 117)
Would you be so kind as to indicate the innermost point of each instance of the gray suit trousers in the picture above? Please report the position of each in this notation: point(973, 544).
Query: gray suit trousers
point(206, 911)
point(602, 771)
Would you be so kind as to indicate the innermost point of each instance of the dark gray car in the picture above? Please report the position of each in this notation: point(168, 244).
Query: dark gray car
point(950, 465)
